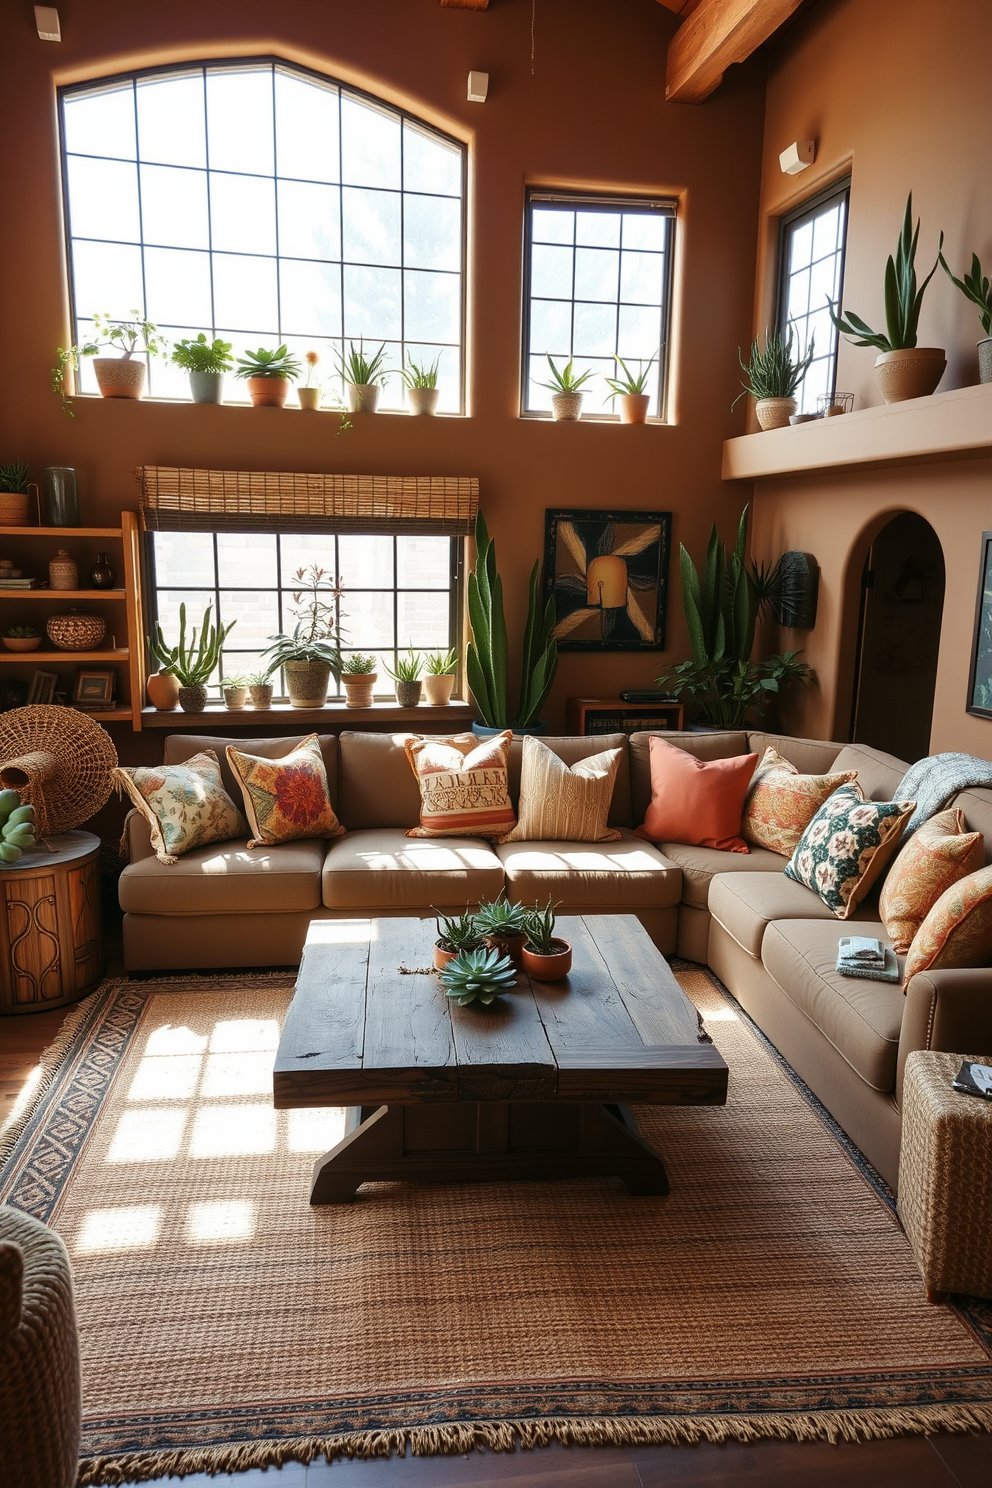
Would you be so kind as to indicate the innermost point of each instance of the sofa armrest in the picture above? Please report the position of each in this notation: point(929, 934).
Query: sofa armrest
point(946, 1010)
point(136, 842)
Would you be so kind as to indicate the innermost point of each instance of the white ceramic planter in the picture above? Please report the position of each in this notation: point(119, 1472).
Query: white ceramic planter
point(437, 688)
point(363, 397)
point(309, 398)
point(422, 400)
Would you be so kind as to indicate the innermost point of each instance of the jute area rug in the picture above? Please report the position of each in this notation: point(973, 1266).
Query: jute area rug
point(225, 1324)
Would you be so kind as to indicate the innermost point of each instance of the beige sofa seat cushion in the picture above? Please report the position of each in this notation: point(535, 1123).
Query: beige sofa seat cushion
point(700, 864)
point(862, 1019)
point(710, 746)
point(630, 873)
point(745, 904)
point(180, 747)
point(226, 878)
point(383, 868)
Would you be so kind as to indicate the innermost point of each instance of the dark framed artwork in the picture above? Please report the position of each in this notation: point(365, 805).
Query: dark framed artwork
point(980, 676)
point(95, 687)
point(607, 572)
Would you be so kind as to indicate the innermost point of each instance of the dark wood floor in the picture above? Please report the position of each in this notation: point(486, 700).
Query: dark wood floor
point(909, 1462)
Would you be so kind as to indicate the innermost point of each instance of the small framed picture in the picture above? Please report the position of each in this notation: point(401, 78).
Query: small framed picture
point(95, 687)
point(43, 685)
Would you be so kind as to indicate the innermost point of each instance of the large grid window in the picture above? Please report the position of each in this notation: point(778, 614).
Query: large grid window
point(265, 204)
point(811, 273)
point(599, 273)
point(398, 591)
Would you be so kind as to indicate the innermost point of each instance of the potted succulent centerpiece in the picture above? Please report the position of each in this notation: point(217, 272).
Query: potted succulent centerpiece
point(205, 362)
point(566, 391)
point(193, 664)
point(309, 392)
point(310, 655)
point(477, 977)
point(363, 376)
point(439, 676)
point(902, 369)
point(773, 375)
point(502, 925)
point(268, 375)
point(422, 391)
point(975, 287)
point(21, 638)
point(260, 690)
point(235, 690)
point(15, 494)
point(455, 933)
point(120, 376)
point(630, 388)
point(546, 957)
point(358, 678)
point(406, 678)
point(486, 655)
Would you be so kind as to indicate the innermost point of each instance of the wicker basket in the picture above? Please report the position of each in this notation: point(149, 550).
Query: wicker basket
point(76, 630)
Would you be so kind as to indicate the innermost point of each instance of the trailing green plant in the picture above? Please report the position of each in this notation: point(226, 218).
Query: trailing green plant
point(567, 380)
point(279, 363)
point(975, 286)
point(195, 662)
point(201, 355)
point(312, 635)
point(360, 370)
point(902, 297)
point(501, 917)
point(13, 476)
point(477, 976)
point(457, 932)
point(408, 668)
point(358, 665)
point(486, 654)
point(21, 632)
point(774, 372)
point(440, 663)
point(722, 606)
point(137, 335)
point(630, 384)
point(540, 928)
point(419, 375)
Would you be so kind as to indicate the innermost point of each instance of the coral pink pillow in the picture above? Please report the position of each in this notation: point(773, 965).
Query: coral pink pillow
point(699, 802)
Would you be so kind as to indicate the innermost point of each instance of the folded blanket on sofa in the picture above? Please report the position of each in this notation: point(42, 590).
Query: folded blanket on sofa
point(933, 783)
point(861, 956)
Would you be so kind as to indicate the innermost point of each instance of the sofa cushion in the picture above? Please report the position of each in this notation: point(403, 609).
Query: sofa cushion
point(935, 857)
point(696, 801)
point(285, 798)
point(847, 845)
point(179, 747)
point(703, 746)
point(700, 864)
point(380, 868)
point(781, 802)
point(462, 783)
point(229, 878)
point(879, 774)
point(977, 808)
point(957, 932)
point(378, 788)
point(810, 756)
point(185, 806)
point(565, 803)
point(628, 873)
point(862, 1019)
point(574, 747)
point(745, 904)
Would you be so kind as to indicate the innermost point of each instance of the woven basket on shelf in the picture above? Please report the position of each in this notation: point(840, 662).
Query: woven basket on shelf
point(58, 760)
point(76, 630)
point(15, 508)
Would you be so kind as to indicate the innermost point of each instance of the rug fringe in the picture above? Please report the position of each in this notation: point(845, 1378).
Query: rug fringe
point(509, 1436)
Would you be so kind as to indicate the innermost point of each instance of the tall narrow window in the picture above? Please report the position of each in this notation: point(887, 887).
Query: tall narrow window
point(264, 204)
point(811, 274)
point(598, 287)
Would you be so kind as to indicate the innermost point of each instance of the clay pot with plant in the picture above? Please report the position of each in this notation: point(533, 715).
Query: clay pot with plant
point(975, 287)
point(363, 376)
point(902, 369)
point(455, 933)
point(309, 392)
point(116, 376)
point(439, 676)
point(566, 391)
point(422, 391)
point(310, 655)
point(773, 375)
point(205, 362)
point(358, 678)
point(268, 375)
point(407, 679)
point(235, 690)
point(260, 690)
point(194, 662)
point(163, 691)
point(21, 638)
point(630, 388)
point(546, 957)
point(15, 494)
point(502, 926)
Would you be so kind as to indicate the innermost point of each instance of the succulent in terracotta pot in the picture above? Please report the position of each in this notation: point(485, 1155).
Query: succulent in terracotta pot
point(455, 933)
point(358, 678)
point(268, 375)
point(21, 638)
point(546, 957)
point(502, 925)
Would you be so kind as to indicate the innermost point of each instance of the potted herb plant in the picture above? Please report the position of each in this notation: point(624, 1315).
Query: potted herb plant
point(422, 391)
point(310, 655)
point(455, 933)
point(502, 926)
point(21, 638)
point(439, 676)
point(260, 690)
point(902, 369)
point(975, 287)
point(308, 392)
point(358, 677)
point(206, 362)
point(566, 391)
point(773, 375)
point(486, 655)
point(15, 494)
point(406, 678)
point(195, 663)
point(117, 376)
point(629, 387)
point(546, 957)
point(363, 376)
point(268, 375)
point(235, 690)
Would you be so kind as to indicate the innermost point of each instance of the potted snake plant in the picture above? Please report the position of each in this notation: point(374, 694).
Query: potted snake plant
point(485, 657)
point(975, 287)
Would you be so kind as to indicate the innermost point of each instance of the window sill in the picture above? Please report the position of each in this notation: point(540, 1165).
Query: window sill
point(403, 413)
point(335, 715)
point(538, 416)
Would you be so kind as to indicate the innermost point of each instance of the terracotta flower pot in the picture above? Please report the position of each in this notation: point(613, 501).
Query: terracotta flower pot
point(566, 407)
point(22, 643)
point(260, 694)
point(911, 373)
point(441, 956)
point(548, 968)
point(358, 688)
point(423, 400)
point(117, 377)
point(193, 697)
point(309, 398)
point(363, 397)
point(268, 392)
point(634, 407)
point(774, 413)
point(438, 688)
point(163, 691)
point(307, 683)
point(507, 945)
point(407, 693)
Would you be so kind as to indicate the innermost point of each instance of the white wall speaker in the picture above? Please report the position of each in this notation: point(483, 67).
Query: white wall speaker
point(798, 156)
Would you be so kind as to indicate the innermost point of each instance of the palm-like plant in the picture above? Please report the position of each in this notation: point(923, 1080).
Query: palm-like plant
point(486, 655)
point(903, 299)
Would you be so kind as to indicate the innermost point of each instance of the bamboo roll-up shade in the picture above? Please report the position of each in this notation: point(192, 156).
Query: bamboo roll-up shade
point(175, 499)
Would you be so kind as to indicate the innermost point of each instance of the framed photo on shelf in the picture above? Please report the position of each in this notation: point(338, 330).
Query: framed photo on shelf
point(607, 572)
point(94, 688)
point(43, 685)
point(980, 676)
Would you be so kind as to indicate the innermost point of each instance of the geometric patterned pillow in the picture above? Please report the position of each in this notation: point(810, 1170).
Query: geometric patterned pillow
point(781, 803)
point(935, 857)
point(958, 930)
point(846, 846)
point(464, 787)
point(285, 798)
point(185, 805)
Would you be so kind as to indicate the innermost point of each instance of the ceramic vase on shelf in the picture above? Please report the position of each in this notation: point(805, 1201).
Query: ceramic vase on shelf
point(912, 372)
point(103, 574)
point(309, 398)
point(59, 498)
point(163, 691)
point(63, 571)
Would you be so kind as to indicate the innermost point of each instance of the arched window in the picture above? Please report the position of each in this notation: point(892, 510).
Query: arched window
point(263, 203)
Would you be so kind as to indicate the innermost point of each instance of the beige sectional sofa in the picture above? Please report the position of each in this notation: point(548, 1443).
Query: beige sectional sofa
point(772, 942)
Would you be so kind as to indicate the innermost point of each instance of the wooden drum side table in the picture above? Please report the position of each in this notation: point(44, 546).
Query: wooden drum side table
point(51, 933)
point(945, 1177)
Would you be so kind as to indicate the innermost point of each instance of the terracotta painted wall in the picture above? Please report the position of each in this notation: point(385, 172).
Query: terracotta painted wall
point(895, 91)
point(590, 114)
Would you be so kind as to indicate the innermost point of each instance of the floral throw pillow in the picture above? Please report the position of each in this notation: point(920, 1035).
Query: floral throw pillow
point(846, 846)
point(185, 805)
point(285, 798)
point(781, 803)
point(935, 857)
point(958, 930)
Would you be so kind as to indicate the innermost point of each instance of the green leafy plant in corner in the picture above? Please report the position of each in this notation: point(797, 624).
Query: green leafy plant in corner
point(567, 380)
point(630, 384)
point(540, 928)
point(440, 663)
point(419, 375)
point(457, 932)
point(358, 665)
point(774, 372)
point(360, 370)
point(486, 655)
point(408, 668)
point(975, 287)
point(903, 299)
point(201, 355)
point(279, 363)
point(477, 976)
point(312, 636)
point(193, 662)
point(13, 476)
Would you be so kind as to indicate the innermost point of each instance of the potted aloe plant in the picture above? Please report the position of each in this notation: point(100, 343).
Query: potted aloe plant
point(902, 369)
point(630, 387)
point(310, 655)
point(566, 391)
point(546, 957)
point(260, 690)
point(206, 362)
point(363, 376)
point(268, 375)
point(358, 677)
point(193, 663)
point(502, 926)
point(975, 287)
point(420, 381)
point(773, 375)
point(235, 690)
point(439, 676)
point(486, 655)
point(455, 933)
point(120, 376)
point(406, 678)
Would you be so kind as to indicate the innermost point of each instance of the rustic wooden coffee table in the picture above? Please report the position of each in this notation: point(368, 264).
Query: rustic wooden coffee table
point(537, 1085)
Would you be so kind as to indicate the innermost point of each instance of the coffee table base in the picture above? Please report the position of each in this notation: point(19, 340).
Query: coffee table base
point(487, 1142)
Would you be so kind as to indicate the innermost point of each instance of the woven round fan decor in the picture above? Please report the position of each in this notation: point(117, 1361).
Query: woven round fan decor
point(58, 760)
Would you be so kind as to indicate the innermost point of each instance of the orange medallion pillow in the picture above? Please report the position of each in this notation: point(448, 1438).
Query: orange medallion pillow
point(781, 803)
point(698, 802)
point(464, 791)
point(958, 930)
point(938, 854)
point(285, 798)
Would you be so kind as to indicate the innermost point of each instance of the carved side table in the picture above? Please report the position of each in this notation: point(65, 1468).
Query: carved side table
point(51, 934)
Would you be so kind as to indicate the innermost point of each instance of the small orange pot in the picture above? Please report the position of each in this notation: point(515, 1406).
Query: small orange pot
point(442, 957)
point(634, 407)
point(510, 945)
point(163, 691)
point(22, 643)
point(268, 392)
point(548, 968)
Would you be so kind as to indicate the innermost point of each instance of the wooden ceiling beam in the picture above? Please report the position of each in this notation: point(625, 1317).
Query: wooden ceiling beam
point(680, 7)
point(717, 34)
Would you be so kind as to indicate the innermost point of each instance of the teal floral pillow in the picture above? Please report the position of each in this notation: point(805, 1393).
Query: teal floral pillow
point(846, 846)
point(185, 805)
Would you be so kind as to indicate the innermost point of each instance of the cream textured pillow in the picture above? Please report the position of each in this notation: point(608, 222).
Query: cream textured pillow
point(185, 805)
point(564, 803)
point(935, 857)
point(781, 803)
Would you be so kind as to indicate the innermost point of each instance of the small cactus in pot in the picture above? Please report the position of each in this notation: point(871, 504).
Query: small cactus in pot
point(502, 925)
point(193, 663)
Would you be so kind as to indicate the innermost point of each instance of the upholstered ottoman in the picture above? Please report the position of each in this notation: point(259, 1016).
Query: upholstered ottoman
point(945, 1177)
point(39, 1357)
